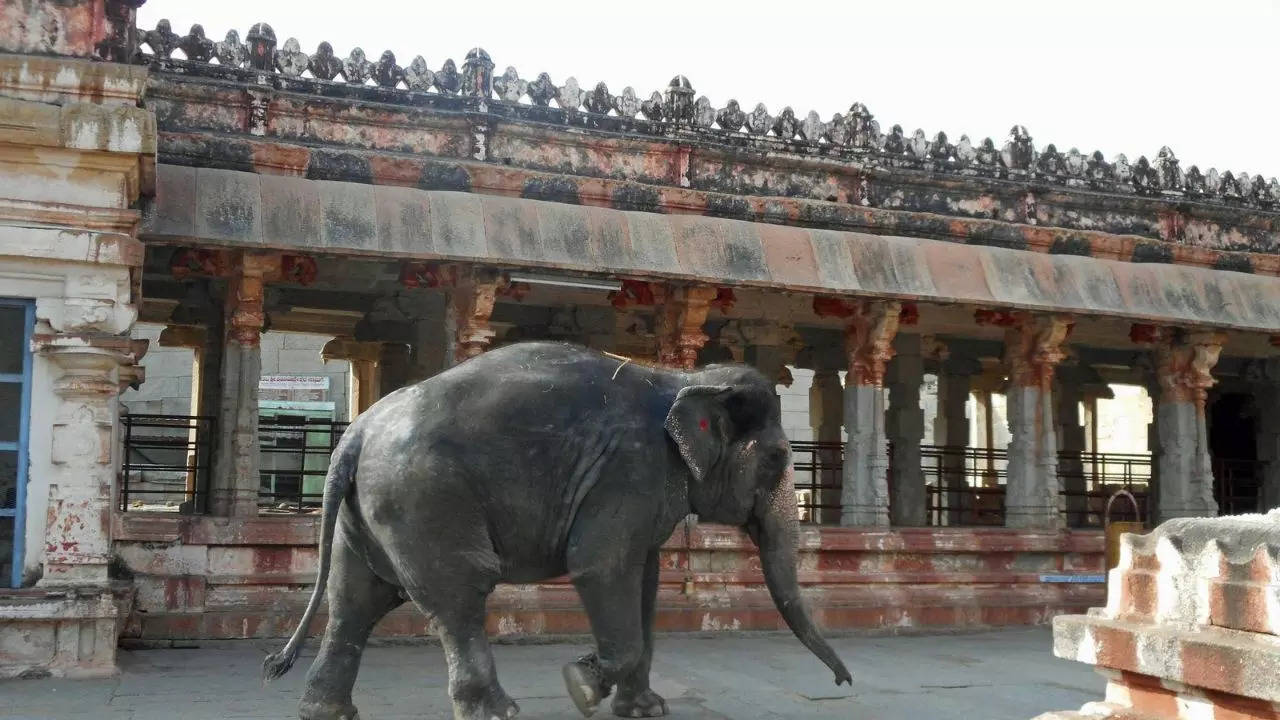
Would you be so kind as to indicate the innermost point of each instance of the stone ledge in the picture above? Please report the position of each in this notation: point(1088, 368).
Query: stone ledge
point(79, 126)
point(61, 79)
point(1230, 661)
point(80, 246)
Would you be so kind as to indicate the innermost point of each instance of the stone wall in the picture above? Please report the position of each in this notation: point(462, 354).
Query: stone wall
point(206, 578)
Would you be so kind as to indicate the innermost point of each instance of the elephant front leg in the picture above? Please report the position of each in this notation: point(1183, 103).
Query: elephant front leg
point(620, 608)
point(635, 698)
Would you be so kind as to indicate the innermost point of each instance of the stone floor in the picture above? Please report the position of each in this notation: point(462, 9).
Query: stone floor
point(1005, 675)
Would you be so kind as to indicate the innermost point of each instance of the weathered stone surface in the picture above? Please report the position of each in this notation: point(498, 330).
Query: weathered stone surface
point(256, 573)
point(1190, 621)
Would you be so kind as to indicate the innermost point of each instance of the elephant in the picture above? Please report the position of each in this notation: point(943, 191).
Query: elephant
point(529, 462)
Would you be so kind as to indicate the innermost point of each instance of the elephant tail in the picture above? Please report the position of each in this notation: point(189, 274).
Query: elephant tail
point(342, 471)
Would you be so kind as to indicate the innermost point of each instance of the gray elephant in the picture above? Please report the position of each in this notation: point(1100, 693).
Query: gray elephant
point(529, 462)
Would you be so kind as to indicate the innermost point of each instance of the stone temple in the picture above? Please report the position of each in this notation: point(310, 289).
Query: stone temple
point(415, 215)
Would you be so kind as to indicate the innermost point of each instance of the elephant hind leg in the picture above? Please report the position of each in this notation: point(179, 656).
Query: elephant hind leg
point(473, 677)
point(358, 599)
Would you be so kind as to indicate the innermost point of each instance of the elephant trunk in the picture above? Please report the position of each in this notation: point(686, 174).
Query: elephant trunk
point(775, 531)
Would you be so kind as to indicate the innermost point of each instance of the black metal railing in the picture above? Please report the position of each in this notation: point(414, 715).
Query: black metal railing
point(816, 468)
point(1238, 485)
point(167, 461)
point(964, 485)
point(294, 458)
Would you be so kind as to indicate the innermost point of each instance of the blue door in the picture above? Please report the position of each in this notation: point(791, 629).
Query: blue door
point(16, 320)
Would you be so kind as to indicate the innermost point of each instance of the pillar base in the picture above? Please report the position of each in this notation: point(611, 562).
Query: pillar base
point(870, 516)
point(62, 633)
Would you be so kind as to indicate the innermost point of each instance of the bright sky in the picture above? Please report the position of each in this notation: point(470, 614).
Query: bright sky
point(1121, 76)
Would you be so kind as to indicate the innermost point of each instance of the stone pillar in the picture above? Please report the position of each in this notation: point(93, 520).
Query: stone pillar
point(468, 311)
point(78, 529)
point(393, 368)
point(904, 423)
point(236, 478)
point(365, 382)
point(679, 325)
point(953, 396)
point(1071, 444)
point(826, 418)
point(770, 347)
point(203, 396)
point(1184, 365)
point(1033, 348)
point(864, 496)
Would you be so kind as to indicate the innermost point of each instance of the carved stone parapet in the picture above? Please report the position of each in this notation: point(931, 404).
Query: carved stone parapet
point(1034, 347)
point(869, 339)
point(680, 324)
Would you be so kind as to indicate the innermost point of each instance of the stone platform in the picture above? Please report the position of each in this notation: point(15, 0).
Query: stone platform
point(1005, 675)
point(225, 578)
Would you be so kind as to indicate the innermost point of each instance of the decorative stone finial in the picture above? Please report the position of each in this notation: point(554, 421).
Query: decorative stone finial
point(262, 47)
point(477, 74)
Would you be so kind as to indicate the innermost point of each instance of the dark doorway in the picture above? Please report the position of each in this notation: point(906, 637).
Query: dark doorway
point(1233, 444)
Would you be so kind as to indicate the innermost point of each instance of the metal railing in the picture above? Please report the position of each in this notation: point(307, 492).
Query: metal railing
point(294, 458)
point(167, 461)
point(816, 468)
point(965, 486)
point(1238, 484)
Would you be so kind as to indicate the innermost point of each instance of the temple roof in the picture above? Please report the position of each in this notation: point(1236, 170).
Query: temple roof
point(678, 111)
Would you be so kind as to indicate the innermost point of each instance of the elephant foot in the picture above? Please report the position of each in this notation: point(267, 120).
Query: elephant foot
point(586, 685)
point(646, 703)
point(327, 711)
point(497, 706)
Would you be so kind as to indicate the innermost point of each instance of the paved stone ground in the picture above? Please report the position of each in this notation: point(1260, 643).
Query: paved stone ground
point(1005, 675)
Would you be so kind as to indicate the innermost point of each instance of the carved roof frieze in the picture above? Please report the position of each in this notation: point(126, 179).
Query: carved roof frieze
point(678, 111)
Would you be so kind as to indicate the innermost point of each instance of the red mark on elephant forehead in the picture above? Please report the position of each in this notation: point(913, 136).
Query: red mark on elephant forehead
point(702, 424)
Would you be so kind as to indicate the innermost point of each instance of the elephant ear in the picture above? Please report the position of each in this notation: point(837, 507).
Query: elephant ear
point(699, 424)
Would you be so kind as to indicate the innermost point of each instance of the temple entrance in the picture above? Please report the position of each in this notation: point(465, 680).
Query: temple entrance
point(1233, 445)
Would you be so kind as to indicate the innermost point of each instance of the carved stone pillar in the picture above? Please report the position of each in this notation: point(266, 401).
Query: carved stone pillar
point(393, 368)
point(1033, 348)
point(869, 337)
point(1267, 397)
point(365, 382)
point(1184, 365)
point(770, 347)
point(954, 383)
point(904, 422)
point(1071, 445)
point(826, 418)
point(469, 309)
point(679, 325)
point(236, 478)
point(78, 525)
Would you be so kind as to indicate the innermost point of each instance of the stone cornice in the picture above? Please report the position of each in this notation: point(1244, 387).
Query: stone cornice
point(215, 117)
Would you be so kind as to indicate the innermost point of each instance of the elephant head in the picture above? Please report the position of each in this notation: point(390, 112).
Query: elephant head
point(727, 425)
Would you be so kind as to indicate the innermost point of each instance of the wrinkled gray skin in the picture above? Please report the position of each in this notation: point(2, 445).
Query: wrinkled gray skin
point(526, 463)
